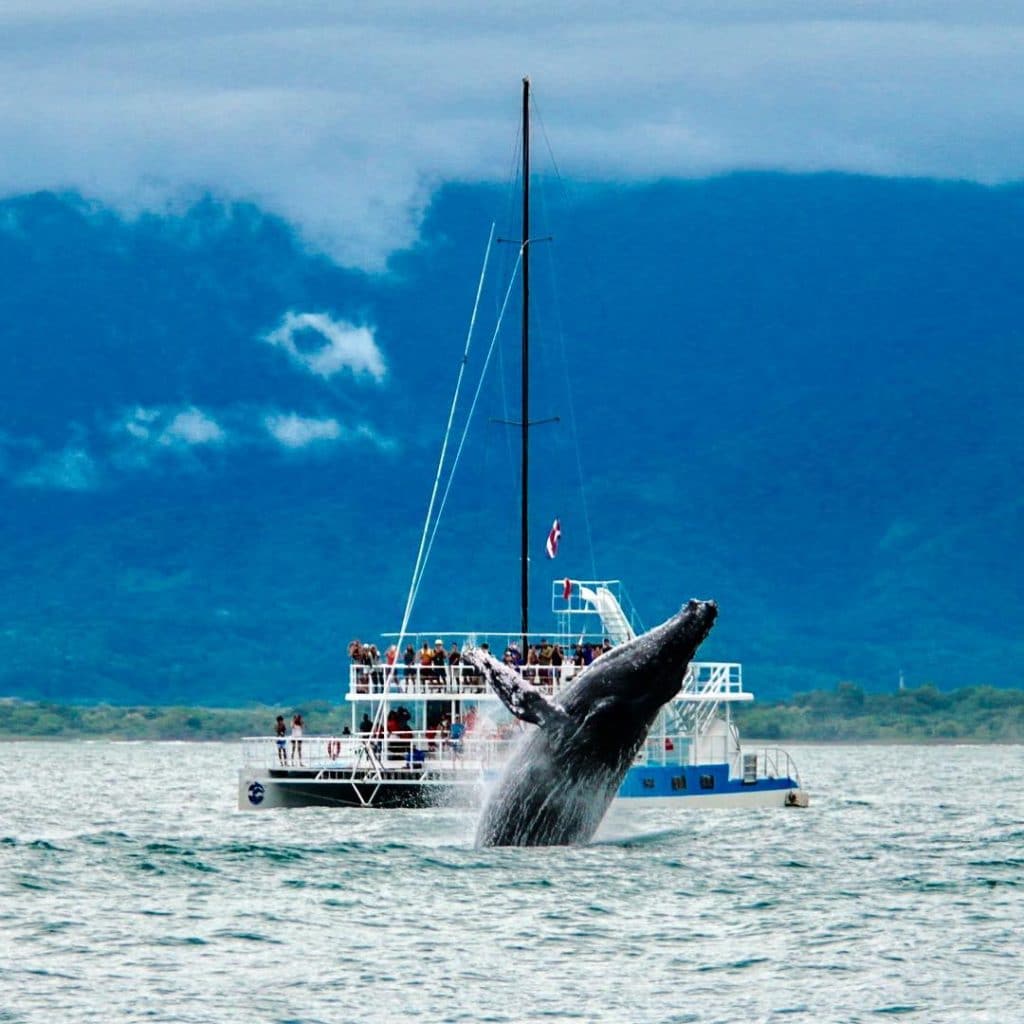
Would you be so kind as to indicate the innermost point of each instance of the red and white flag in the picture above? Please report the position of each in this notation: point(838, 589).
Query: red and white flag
point(567, 589)
point(554, 536)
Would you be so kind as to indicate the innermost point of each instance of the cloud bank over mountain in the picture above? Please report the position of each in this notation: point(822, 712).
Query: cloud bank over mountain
point(345, 119)
point(157, 347)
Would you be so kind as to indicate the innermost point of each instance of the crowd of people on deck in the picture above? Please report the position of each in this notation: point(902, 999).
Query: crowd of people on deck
point(433, 666)
point(543, 662)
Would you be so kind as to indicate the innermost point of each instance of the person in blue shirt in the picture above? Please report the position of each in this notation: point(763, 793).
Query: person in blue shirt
point(458, 730)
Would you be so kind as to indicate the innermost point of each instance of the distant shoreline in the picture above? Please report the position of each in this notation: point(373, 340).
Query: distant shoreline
point(845, 715)
point(749, 743)
point(924, 715)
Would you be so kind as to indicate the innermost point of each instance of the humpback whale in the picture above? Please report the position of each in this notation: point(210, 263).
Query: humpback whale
point(558, 784)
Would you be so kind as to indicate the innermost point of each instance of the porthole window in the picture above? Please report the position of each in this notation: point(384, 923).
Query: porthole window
point(707, 782)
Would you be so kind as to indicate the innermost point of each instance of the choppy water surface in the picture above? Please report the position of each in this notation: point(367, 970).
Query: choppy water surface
point(131, 889)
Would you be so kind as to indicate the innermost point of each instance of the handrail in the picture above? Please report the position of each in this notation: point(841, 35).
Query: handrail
point(414, 749)
point(777, 764)
point(704, 682)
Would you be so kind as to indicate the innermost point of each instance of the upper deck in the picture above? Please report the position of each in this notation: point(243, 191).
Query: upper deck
point(591, 616)
point(717, 681)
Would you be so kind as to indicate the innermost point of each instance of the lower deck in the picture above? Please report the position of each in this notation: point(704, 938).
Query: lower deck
point(347, 772)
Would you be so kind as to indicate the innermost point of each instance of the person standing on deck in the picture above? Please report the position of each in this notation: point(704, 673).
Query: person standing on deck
point(544, 654)
point(439, 660)
point(297, 725)
point(457, 731)
point(426, 667)
point(280, 729)
point(454, 660)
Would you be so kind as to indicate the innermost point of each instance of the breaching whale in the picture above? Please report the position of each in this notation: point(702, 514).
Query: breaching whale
point(558, 784)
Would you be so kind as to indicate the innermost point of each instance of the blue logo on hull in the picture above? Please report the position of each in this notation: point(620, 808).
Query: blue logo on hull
point(256, 792)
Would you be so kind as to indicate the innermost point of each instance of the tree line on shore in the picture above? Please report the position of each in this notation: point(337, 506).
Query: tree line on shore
point(982, 714)
point(845, 713)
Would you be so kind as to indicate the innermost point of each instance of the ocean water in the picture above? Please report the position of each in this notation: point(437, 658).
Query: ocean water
point(132, 889)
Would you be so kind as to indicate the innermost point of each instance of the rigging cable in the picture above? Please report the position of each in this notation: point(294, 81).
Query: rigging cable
point(420, 558)
point(565, 358)
point(469, 417)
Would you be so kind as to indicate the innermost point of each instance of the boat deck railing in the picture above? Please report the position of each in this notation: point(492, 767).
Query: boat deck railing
point(412, 750)
point(420, 750)
point(704, 681)
point(664, 749)
point(769, 763)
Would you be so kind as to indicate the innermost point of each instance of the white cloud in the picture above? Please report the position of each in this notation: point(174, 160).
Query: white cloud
point(156, 440)
point(294, 431)
point(72, 469)
point(145, 434)
point(191, 426)
point(342, 118)
point(365, 432)
point(140, 423)
point(340, 345)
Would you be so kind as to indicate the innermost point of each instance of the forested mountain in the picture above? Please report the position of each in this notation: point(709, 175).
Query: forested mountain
point(799, 395)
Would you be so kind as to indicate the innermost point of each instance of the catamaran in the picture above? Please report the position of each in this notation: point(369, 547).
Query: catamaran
point(425, 730)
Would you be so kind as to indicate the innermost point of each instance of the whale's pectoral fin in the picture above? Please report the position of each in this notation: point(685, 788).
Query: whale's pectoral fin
point(523, 700)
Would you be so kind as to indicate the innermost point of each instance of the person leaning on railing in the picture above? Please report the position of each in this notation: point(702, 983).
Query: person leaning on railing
point(532, 663)
point(453, 659)
point(280, 730)
point(297, 727)
point(426, 664)
point(439, 660)
point(544, 653)
point(557, 660)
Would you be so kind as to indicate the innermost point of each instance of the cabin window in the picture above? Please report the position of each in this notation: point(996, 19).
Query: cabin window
point(648, 783)
point(679, 782)
point(707, 782)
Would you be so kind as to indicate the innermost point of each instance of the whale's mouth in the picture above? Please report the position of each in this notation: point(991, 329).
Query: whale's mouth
point(681, 635)
point(696, 618)
point(706, 610)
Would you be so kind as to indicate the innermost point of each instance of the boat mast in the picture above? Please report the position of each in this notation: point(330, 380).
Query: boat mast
point(524, 511)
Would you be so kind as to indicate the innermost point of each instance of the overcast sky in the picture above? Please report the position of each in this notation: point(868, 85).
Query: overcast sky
point(344, 116)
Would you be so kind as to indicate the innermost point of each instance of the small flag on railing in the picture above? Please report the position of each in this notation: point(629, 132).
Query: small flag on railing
point(553, 537)
point(567, 589)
